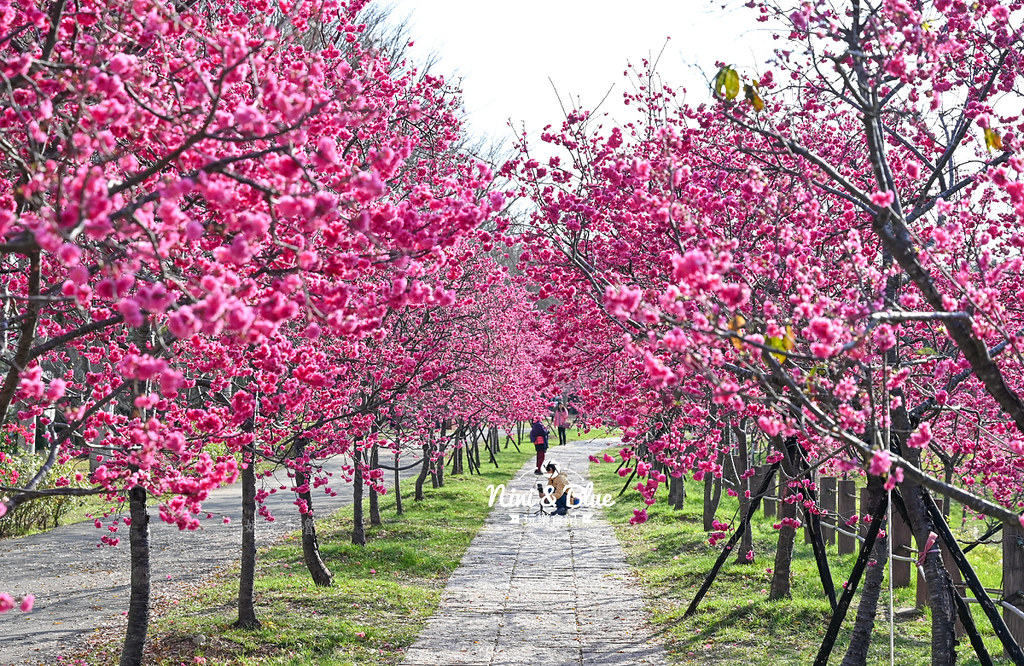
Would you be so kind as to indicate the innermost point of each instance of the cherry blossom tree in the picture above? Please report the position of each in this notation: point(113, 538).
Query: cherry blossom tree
point(829, 251)
point(185, 180)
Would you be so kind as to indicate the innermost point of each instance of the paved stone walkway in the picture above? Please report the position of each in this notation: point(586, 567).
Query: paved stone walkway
point(540, 590)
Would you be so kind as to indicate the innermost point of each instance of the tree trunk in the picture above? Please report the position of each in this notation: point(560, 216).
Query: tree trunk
point(476, 451)
point(424, 471)
point(374, 498)
point(439, 467)
point(956, 555)
point(247, 576)
point(860, 640)
point(358, 532)
point(676, 492)
point(437, 478)
point(943, 607)
point(780, 588)
point(839, 614)
point(745, 553)
point(712, 497)
point(138, 605)
point(322, 576)
point(398, 489)
point(797, 464)
point(744, 524)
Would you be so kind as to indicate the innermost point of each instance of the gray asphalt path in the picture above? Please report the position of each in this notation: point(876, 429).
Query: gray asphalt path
point(80, 587)
point(542, 589)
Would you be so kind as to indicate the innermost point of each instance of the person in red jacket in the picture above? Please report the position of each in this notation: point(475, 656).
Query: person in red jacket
point(539, 437)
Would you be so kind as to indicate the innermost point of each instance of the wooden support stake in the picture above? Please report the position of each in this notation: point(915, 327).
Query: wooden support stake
point(901, 534)
point(847, 507)
point(828, 505)
point(1013, 579)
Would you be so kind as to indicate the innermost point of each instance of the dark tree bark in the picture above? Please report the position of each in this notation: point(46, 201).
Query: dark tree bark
point(493, 445)
point(247, 576)
point(374, 498)
point(1011, 647)
point(321, 575)
point(860, 640)
point(437, 477)
point(457, 458)
point(781, 587)
point(828, 644)
point(138, 605)
point(439, 466)
point(398, 489)
point(795, 465)
point(676, 492)
point(358, 530)
point(476, 450)
point(712, 498)
point(915, 499)
point(743, 555)
point(424, 472)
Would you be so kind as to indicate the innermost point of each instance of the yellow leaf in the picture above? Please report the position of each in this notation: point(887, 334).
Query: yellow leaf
point(789, 340)
point(732, 84)
point(719, 83)
point(736, 326)
point(750, 91)
point(727, 83)
point(992, 140)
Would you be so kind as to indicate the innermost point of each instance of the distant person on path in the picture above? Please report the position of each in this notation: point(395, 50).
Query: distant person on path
point(539, 437)
point(561, 421)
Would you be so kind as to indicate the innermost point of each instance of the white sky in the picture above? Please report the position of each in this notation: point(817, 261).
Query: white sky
point(505, 53)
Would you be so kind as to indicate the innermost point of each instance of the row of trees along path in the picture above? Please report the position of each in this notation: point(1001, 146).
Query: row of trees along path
point(824, 261)
point(235, 234)
point(235, 237)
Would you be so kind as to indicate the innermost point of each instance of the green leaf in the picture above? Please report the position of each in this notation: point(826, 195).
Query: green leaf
point(780, 344)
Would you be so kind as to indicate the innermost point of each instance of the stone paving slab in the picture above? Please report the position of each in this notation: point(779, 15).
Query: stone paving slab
point(541, 589)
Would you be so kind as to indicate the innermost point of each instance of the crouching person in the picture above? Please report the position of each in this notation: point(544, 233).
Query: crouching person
point(560, 488)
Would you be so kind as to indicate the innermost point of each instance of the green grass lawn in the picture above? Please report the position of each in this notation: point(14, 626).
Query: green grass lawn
point(577, 434)
point(382, 594)
point(572, 434)
point(735, 623)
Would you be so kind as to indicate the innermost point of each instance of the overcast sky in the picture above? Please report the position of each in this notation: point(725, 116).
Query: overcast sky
point(511, 57)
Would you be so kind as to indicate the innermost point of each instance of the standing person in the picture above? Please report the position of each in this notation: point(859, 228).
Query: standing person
point(539, 437)
point(561, 421)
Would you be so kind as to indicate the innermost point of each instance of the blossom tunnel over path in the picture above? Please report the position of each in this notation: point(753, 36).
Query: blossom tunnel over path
point(245, 236)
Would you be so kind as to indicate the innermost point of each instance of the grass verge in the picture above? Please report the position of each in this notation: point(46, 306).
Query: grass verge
point(578, 434)
point(735, 623)
point(382, 594)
